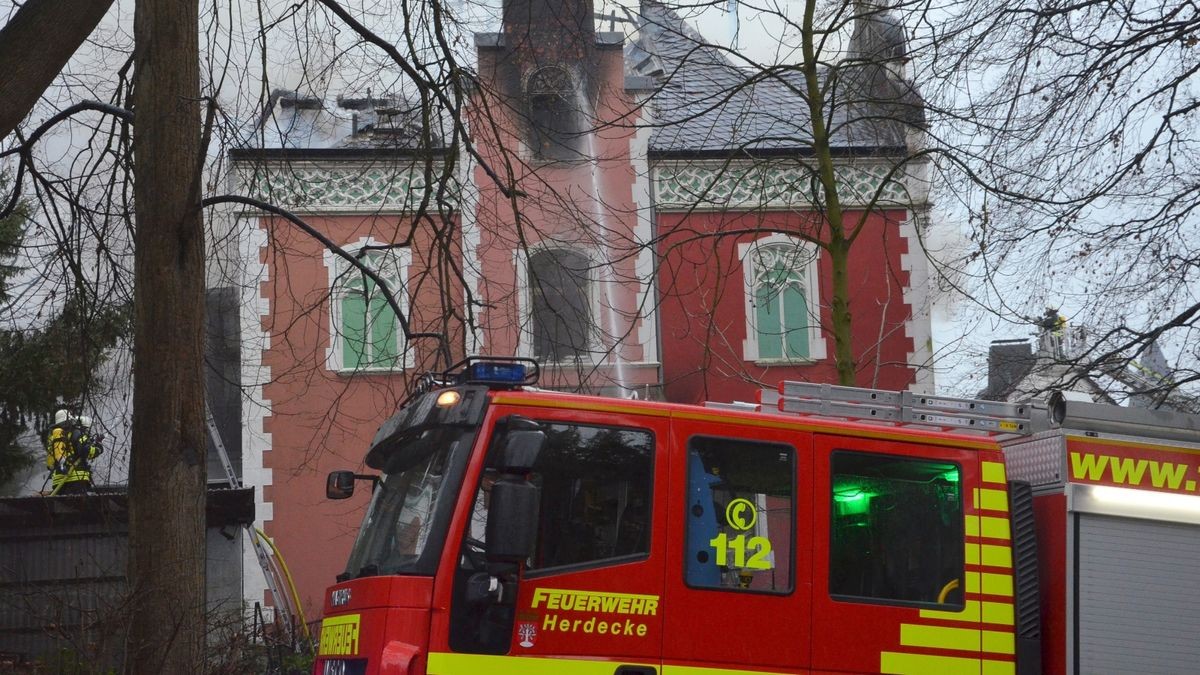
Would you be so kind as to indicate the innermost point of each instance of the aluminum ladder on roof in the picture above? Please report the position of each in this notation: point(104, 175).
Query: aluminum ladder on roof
point(994, 418)
point(270, 571)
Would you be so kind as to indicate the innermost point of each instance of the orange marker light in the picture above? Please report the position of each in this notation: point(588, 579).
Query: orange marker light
point(447, 399)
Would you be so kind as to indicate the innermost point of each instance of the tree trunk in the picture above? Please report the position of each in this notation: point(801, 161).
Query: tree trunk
point(167, 467)
point(35, 45)
point(837, 245)
point(839, 311)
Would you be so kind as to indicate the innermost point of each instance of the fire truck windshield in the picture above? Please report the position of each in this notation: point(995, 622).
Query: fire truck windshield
point(405, 524)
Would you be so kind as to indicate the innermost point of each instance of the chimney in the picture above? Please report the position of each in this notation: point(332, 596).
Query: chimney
point(1009, 362)
point(549, 32)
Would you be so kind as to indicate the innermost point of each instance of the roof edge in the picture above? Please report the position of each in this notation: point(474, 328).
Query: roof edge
point(239, 154)
point(767, 153)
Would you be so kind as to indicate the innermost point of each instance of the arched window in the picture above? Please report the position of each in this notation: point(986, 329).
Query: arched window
point(366, 333)
point(554, 113)
point(782, 319)
point(560, 305)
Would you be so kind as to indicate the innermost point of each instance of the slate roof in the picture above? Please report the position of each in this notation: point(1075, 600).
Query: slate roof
point(707, 105)
point(703, 103)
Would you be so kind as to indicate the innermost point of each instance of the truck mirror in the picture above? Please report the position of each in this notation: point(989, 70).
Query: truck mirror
point(512, 520)
point(521, 449)
point(339, 485)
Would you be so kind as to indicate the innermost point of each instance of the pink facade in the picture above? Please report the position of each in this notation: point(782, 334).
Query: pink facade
point(584, 204)
point(323, 414)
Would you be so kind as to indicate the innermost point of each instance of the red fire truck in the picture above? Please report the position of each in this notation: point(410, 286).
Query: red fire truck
point(824, 529)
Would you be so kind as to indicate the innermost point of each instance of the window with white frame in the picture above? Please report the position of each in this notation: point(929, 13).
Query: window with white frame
point(366, 332)
point(560, 305)
point(780, 274)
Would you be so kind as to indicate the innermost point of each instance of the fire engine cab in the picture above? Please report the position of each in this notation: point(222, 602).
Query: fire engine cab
point(823, 529)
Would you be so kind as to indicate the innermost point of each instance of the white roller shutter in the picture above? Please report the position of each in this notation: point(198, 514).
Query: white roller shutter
point(1138, 595)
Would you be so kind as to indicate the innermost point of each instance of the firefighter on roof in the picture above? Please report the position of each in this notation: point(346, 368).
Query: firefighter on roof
point(70, 448)
point(1053, 331)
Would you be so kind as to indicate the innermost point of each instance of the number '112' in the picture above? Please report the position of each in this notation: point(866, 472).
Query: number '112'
point(759, 547)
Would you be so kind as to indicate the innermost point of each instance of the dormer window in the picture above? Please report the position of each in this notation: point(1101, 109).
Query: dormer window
point(554, 113)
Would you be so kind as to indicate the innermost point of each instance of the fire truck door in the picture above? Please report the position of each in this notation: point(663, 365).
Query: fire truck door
point(893, 587)
point(738, 563)
point(592, 593)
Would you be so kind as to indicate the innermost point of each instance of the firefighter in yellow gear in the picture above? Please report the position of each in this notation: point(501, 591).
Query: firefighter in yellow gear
point(70, 448)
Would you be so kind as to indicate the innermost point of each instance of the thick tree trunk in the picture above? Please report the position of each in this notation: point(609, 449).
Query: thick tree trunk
point(35, 45)
point(167, 467)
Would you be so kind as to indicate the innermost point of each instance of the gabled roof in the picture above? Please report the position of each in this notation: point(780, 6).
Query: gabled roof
point(707, 105)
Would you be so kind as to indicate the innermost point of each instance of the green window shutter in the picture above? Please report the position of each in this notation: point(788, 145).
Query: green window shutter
point(354, 329)
point(383, 333)
point(795, 315)
point(768, 322)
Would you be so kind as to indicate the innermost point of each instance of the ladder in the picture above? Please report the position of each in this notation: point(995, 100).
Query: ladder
point(901, 408)
point(271, 571)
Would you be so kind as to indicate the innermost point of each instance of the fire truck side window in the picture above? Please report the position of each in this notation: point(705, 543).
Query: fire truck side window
point(896, 531)
point(595, 485)
point(741, 514)
point(595, 495)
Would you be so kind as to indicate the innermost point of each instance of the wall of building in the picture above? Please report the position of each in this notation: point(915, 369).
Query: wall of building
point(315, 419)
point(702, 308)
point(587, 206)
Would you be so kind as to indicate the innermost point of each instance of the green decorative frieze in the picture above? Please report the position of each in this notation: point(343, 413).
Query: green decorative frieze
point(347, 187)
point(775, 185)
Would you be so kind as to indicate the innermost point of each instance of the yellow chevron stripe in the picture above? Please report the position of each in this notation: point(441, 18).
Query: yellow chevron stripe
point(990, 500)
point(999, 668)
point(987, 554)
point(994, 528)
point(972, 582)
point(993, 472)
point(989, 583)
point(995, 556)
point(443, 663)
point(971, 553)
point(996, 584)
point(987, 526)
point(962, 639)
point(998, 642)
point(923, 664)
point(998, 613)
point(939, 637)
point(974, 611)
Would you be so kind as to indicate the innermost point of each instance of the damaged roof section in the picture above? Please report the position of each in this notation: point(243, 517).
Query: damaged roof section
point(707, 105)
point(292, 120)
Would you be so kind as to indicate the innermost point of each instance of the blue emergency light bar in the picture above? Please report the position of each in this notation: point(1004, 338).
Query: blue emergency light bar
point(499, 371)
point(513, 373)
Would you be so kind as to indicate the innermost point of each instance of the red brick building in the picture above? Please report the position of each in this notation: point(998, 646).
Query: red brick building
point(633, 216)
